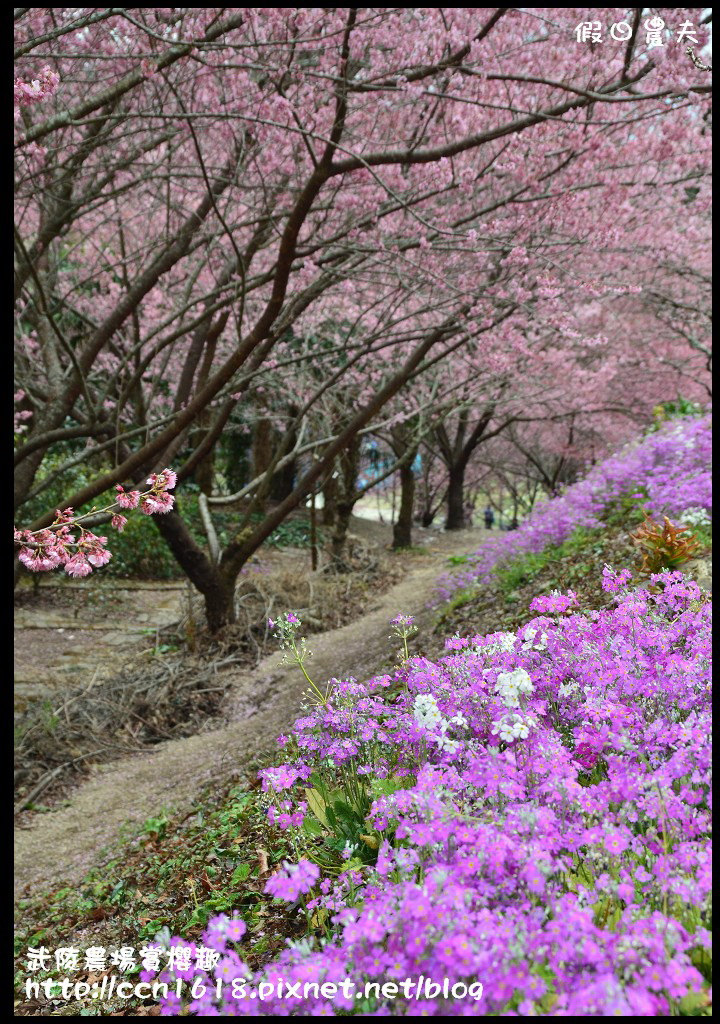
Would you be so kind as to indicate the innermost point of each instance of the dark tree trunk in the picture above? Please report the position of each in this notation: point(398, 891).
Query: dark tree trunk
point(330, 490)
point(204, 472)
point(347, 496)
point(402, 530)
point(427, 518)
point(216, 584)
point(339, 537)
point(313, 533)
point(283, 481)
point(219, 603)
point(266, 442)
point(455, 498)
point(261, 446)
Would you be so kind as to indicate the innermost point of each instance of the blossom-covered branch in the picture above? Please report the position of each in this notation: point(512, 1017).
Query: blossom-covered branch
point(80, 553)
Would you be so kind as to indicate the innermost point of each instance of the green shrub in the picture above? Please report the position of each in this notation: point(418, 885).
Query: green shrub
point(140, 552)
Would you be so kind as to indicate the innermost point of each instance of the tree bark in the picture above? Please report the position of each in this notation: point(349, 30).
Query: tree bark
point(455, 498)
point(283, 481)
point(261, 446)
point(349, 463)
point(266, 441)
point(330, 489)
point(215, 583)
point(205, 470)
point(339, 537)
point(402, 530)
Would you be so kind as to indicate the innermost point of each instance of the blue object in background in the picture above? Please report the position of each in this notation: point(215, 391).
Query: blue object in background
point(380, 463)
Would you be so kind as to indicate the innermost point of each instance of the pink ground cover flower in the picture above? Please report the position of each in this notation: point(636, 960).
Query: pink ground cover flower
point(293, 880)
point(567, 866)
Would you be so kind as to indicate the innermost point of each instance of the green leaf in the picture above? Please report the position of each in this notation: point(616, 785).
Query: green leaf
point(390, 785)
point(372, 841)
point(354, 864)
point(693, 1002)
point(312, 828)
point(240, 873)
point(317, 806)
point(347, 814)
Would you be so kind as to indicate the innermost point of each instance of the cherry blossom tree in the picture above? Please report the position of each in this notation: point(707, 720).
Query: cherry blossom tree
point(197, 189)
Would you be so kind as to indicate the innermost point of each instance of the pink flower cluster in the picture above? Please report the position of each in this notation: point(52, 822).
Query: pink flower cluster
point(555, 603)
point(38, 89)
point(44, 550)
point(293, 880)
point(562, 860)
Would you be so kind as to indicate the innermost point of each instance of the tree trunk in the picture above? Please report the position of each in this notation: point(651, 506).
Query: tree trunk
point(219, 602)
point(339, 537)
point(402, 530)
point(204, 472)
point(329, 491)
point(283, 481)
point(261, 446)
point(455, 503)
point(215, 584)
point(349, 461)
point(313, 534)
point(25, 475)
point(266, 441)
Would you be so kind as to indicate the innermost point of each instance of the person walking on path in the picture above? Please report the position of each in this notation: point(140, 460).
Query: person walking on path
point(489, 517)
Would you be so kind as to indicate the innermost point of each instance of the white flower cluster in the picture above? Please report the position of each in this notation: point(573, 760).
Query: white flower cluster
point(695, 516)
point(427, 714)
point(504, 643)
point(426, 711)
point(513, 727)
point(564, 689)
point(510, 685)
point(531, 643)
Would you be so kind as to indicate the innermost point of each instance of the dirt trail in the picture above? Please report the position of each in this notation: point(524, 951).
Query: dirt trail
point(262, 704)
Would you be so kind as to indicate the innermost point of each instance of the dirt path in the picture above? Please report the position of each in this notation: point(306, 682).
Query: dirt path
point(262, 704)
point(77, 633)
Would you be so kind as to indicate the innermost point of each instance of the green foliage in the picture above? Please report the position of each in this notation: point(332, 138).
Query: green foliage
point(460, 599)
point(669, 410)
point(57, 491)
point(294, 533)
point(140, 552)
point(522, 570)
point(627, 508)
point(525, 568)
point(175, 874)
point(155, 828)
point(703, 535)
point(339, 806)
point(338, 816)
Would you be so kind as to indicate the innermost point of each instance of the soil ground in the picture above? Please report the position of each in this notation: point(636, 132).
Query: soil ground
point(261, 704)
point(75, 632)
